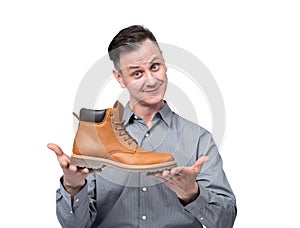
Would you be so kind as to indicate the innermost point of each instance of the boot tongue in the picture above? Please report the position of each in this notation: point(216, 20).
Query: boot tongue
point(118, 111)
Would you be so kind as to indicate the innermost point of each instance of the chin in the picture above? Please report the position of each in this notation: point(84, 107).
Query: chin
point(151, 100)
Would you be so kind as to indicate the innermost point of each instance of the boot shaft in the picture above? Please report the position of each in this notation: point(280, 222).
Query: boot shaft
point(101, 133)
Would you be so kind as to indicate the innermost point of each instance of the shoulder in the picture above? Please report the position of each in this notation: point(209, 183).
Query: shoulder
point(187, 125)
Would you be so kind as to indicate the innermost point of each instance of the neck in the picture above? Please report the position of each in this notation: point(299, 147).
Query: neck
point(146, 111)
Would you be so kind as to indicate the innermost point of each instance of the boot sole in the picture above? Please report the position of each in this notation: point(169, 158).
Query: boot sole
point(98, 163)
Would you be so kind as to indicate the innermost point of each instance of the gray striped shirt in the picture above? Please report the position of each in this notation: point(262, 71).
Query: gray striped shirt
point(114, 198)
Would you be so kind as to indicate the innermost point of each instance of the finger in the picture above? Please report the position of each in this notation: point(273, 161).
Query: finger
point(64, 164)
point(160, 177)
point(63, 159)
point(85, 171)
point(79, 170)
point(73, 168)
point(198, 164)
point(176, 170)
point(165, 173)
point(58, 151)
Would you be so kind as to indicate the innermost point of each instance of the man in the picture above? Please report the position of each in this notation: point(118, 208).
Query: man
point(194, 194)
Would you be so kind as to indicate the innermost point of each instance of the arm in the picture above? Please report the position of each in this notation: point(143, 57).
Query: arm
point(79, 210)
point(75, 198)
point(206, 195)
point(215, 205)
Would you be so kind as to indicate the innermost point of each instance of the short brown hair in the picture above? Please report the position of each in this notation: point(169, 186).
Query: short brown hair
point(128, 39)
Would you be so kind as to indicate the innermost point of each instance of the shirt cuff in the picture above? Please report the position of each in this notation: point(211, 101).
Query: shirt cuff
point(197, 207)
point(77, 199)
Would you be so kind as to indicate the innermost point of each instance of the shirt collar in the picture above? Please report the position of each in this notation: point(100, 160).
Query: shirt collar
point(165, 113)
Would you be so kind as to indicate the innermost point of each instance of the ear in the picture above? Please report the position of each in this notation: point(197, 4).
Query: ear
point(119, 78)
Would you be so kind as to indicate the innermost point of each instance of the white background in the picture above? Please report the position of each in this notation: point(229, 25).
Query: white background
point(251, 48)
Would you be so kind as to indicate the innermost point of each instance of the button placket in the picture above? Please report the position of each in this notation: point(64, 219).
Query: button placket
point(144, 189)
point(144, 200)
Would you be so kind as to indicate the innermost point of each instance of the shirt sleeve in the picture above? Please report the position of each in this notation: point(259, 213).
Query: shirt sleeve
point(215, 207)
point(83, 211)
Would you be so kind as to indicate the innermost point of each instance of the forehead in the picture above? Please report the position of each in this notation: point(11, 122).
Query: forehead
point(145, 52)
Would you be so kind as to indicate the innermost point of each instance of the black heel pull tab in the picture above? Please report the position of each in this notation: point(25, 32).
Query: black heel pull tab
point(90, 115)
point(74, 114)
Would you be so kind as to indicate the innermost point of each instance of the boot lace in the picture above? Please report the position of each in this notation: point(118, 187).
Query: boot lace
point(119, 126)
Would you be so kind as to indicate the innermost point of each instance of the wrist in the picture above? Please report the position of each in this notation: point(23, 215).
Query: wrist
point(71, 188)
point(191, 196)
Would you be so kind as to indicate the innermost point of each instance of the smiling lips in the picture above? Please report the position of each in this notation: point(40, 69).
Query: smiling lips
point(150, 90)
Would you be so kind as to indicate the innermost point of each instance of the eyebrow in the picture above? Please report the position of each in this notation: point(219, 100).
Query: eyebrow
point(151, 61)
point(133, 67)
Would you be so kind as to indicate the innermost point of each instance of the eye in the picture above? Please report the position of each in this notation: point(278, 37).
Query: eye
point(137, 74)
point(155, 67)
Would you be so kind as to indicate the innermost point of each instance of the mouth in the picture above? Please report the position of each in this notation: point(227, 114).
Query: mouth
point(150, 90)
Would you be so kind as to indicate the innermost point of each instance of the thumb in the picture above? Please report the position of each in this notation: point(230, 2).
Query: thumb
point(57, 150)
point(198, 164)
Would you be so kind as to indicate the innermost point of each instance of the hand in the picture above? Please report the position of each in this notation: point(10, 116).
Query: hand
point(182, 180)
point(74, 178)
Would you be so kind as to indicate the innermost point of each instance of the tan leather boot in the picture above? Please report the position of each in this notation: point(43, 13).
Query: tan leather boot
point(101, 139)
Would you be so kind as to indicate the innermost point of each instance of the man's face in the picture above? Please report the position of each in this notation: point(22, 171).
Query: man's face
point(143, 73)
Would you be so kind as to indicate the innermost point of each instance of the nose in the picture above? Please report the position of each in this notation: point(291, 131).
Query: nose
point(151, 80)
point(149, 74)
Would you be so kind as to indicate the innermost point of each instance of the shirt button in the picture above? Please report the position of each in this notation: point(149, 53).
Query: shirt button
point(135, 117)
point(201, 218)
point(144, 189)
point(147, 134)
point(144, 217)
point(77, 200)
